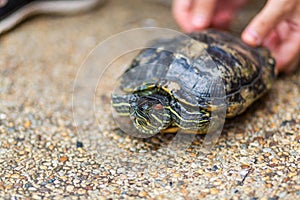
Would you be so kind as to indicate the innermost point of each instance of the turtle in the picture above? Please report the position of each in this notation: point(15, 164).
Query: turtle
point(179, 83)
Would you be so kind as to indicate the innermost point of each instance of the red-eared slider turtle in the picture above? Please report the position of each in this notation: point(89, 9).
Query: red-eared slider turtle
point(166, 86)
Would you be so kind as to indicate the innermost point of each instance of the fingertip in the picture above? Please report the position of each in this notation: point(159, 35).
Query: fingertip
point(265, 21)
point(203, 11)
point(182, 14)
point(251, 37)
point(200, 21)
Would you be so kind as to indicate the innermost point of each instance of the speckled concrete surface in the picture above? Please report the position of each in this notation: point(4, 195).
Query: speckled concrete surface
point(41, 155)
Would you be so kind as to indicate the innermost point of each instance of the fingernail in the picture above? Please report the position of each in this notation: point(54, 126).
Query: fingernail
point(252, 37)
point(199, 21)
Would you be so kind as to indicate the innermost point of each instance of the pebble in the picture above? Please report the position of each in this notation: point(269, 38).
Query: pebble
point(245, 166)
point(143, 194)
point(27, 124)
point(214, 191)
point(120, 170)
point(70, 188)
point(3, 116)
point(81, 191)
point(32, 189)
point(123, 177)
point(176, 175)
point(63, 159)
point(243, 172)
point(16, 176)
point(155, 140)
point(79, 144)
point(113, 172)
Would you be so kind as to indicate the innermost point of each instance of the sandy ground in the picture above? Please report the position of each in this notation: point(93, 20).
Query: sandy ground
point(42, 154)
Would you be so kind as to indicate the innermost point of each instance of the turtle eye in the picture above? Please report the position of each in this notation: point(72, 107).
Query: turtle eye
point(144, 107)
point(134, 105)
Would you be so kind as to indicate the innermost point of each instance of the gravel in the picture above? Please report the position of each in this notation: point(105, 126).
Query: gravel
point(42, 156)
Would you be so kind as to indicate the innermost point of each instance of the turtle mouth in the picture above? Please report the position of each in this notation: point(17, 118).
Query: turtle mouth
point(150, 113)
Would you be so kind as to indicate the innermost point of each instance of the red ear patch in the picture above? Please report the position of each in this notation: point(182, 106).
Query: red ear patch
point(158, 107)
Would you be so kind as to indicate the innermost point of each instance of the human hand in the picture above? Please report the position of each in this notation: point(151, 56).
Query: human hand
point(195, 15)
point(277, 27)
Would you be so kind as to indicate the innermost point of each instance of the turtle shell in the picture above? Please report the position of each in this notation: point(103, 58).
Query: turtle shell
point(186, 68)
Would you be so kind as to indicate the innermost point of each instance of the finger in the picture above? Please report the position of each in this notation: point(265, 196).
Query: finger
point(203, 11)
point(265, 21)
point(277, 36)
point(272, 41)
point(222, 19)
point(287, 53)
point(225, 12)
point(182, 13)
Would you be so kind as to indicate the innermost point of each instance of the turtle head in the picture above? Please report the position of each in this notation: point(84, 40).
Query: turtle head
point(150, 112)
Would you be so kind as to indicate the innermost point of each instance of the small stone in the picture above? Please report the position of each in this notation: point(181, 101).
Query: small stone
point(35, 196)
point(155, 140)
point(70, 188)
point(218, 182)
point(245, 166)
point(8, 187)
point(200, 171)
point(280, 173)
point(32, 189)
point(51, 147)
point(28, 185)
point(121, 170)
point(214, 191)
point(143, 194)
point(269, 185)
point(184, 191)
point(89, 187)
point(260, 140)
point(285, 180)
point(43, 167)
point(244, 172)
point(51, 180)
point(27, 124)
point(15, 176)
point(76, 181)
point(215, 168)
point(112, 171)
point(292, 174)
point(63, 159)
point(2, 116)
point(123, 177)
point(133, 149)
point(273, 143)
point(286, 122)
point(64, 134)
point(81, 191)
point(79, 144)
